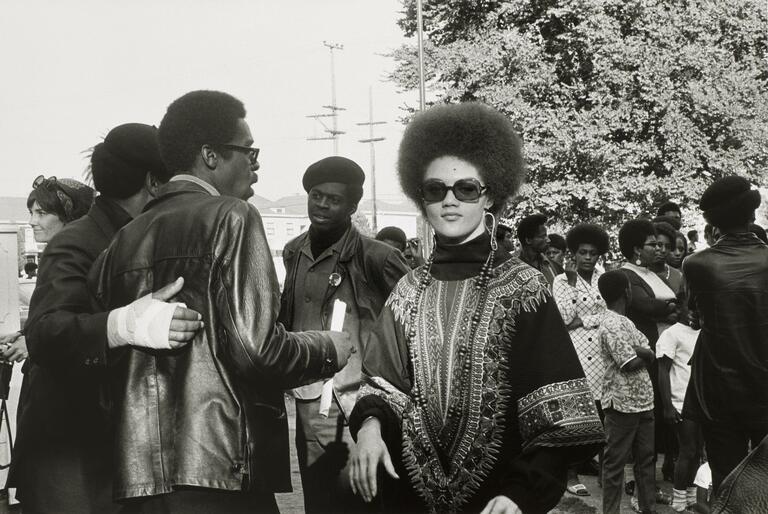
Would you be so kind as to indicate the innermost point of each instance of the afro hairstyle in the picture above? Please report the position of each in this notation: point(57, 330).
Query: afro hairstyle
point(612, 285)
point(665, 229)
point(730, 202)
point(668, 206)
point(587, 233)
point(193, 120)
point(556, 241)
point(633, 234)
point(674, 222)
point(472, 132)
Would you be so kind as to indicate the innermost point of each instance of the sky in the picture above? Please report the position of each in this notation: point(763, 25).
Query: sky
point(73, 70)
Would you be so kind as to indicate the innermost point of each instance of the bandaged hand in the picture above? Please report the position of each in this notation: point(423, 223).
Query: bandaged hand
point(151, 322)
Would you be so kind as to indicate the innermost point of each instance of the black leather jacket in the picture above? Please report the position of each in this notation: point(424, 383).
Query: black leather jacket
point(728, 286)
point(210, 414)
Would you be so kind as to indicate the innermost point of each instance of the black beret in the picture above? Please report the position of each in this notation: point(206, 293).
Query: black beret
point(333, 169)
point(119, 165)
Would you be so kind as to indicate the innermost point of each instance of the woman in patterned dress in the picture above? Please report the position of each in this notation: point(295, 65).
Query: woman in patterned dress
point(473, 398)
point(582, 307)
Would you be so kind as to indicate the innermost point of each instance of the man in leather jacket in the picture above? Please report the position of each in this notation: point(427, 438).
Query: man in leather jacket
point(333, 261)
point(728, 285)
point(61, 462)
point(203, 428)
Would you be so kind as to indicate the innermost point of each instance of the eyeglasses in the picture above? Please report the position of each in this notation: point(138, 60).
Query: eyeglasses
point(655, 245)
point(253, 153)
point(53, 185)
point(465, 190)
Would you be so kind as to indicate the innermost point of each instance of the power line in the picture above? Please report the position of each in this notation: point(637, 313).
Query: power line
point(333, 130)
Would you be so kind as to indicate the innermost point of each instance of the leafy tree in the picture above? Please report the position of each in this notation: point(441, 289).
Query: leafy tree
point(621, 103)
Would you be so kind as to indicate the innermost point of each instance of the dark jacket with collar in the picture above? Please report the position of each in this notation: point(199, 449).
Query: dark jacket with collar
point(66, 338)
point(372, 268)
point(728, 288)
point(210, 414)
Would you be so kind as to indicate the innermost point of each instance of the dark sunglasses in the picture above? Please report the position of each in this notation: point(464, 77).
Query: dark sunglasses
point(253, 153)
point(465, 190)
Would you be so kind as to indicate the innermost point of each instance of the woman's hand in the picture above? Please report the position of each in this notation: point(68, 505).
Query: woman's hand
point(501, 505)
point(371, 451)
point(576, 323)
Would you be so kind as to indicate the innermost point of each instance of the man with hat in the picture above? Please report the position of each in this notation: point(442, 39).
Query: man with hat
point(728, 286)
point(61, 462)
point(333, 261)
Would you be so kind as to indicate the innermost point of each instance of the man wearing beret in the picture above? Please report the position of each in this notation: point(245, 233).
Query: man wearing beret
point(61, 462)
point(333, 261)
point(728, 285)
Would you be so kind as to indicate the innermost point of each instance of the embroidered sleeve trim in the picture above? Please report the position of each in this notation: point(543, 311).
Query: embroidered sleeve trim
point(397, 400)
point(559, 414)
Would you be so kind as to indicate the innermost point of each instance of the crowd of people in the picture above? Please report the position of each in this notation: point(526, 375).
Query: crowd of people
point(482, 377)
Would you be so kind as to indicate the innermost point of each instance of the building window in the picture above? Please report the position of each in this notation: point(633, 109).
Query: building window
point(270, 226)
point(289, 229)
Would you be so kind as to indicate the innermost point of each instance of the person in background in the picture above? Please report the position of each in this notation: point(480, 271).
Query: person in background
point(678, 252)
point(627, 398)
point(728, 290)
point(30, 269)
point(333, 261)
point(393, 236)
point(667, 239)
point(412, 253)
point(759, 232)
point(203, 428)
point(473, 397)
point(673, 353)
point(555, 251)
point(532, 234)
point(581, 307)
point(709, 236)
point(506, 232)
point(62, 457)
point(671, 210)
point(693, 241)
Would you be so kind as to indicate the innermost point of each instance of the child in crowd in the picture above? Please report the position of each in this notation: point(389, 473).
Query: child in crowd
point(673, 351)
point(627, 398)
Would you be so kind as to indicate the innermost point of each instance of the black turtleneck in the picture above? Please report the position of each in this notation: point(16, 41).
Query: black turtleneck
point(320, 241)
point(462, 261)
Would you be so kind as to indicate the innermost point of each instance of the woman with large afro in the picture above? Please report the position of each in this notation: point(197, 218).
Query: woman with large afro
point(473, 398)
point(581, 307)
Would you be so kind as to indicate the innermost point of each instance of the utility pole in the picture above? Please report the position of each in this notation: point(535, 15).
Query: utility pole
point(425, 231)
point(371, 140)
point(334, 130)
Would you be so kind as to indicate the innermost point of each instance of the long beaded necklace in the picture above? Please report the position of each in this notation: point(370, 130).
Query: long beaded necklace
point(483, 278)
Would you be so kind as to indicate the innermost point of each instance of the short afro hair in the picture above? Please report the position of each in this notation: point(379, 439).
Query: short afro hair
point(673, 222)
point(730, 202)
point(668, 207)
point(680, 235)
point(665, 229)
point(612, 285)
point(527, 227)
point(588, 233)
point(633, 235)
point(556, 241)
point(472, 132)
point(394, 234)
point(193, 120)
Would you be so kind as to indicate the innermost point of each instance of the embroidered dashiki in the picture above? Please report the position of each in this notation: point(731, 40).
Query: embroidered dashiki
point(583, 301)
point(504, 415)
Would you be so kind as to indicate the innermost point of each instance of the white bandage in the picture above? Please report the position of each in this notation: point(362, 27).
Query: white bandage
point(145, 322)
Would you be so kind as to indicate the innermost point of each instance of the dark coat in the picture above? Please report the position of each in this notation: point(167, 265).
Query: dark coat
point(645, 310)
point(210, 414)
point(60, 404)
point(728, 287)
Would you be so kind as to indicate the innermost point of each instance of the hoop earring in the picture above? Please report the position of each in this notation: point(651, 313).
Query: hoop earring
point(492, 230)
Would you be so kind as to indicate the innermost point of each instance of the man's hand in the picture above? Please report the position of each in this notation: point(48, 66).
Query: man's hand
point(371, 451)
point(148, 322)
point(15, 351)
point(501, 505)
point(185, 322)
point(344, 347)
